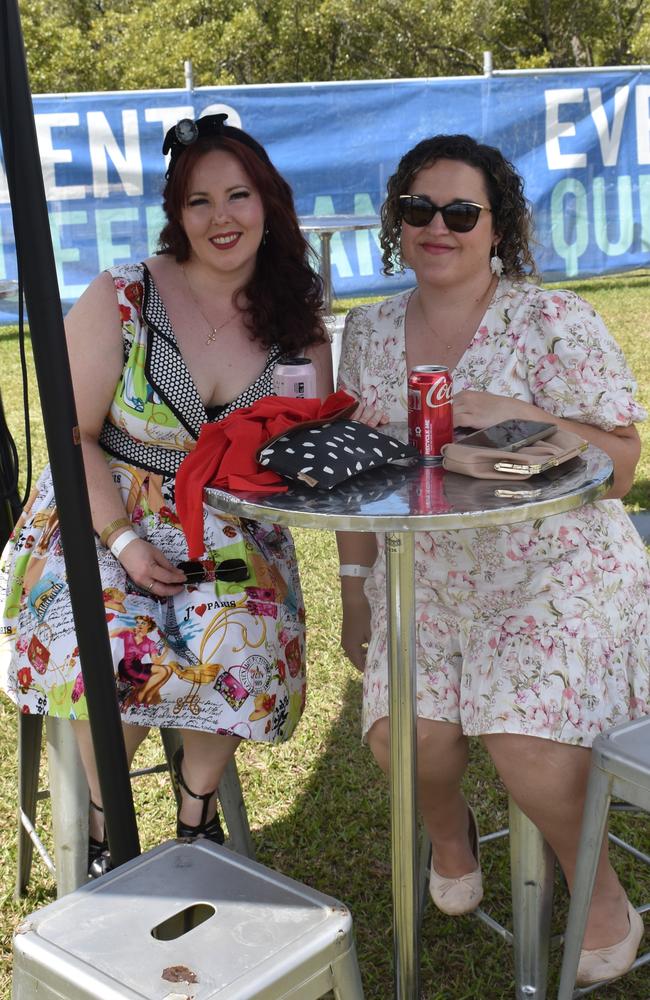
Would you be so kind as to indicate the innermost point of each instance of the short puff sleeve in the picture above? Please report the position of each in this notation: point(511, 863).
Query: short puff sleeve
point(352, 353)
point(574, 367)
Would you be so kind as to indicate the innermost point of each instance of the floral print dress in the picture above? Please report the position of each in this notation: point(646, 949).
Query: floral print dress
point(223, 656)
point(540, 628)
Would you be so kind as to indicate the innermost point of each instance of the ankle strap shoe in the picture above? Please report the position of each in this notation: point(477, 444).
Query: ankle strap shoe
point(208, 829)
point(99, 857)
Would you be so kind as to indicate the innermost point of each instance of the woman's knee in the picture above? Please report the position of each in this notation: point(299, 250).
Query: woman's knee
point(133, 737)
point(378, 738)
point(435, 741)
point(214, 747)
point(536, 761)
point(436, 737)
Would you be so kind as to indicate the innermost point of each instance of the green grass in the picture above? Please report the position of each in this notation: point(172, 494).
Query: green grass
point(318, 805)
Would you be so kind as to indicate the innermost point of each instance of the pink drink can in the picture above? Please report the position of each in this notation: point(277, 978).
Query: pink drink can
point(295, 377)
point(430, 416)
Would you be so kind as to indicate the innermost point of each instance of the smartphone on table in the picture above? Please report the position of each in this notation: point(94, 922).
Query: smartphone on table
point(510, 435)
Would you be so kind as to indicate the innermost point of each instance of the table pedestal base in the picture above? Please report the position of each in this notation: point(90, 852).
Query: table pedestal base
point(400, 596)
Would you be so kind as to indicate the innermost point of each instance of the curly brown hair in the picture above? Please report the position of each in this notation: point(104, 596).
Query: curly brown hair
point(284, 298)
point(511, 213)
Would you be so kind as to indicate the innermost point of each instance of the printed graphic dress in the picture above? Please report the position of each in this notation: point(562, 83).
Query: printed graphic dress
point(224, 657)
point(540, 628)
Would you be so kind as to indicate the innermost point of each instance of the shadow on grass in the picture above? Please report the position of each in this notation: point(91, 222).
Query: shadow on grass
point(335, 837)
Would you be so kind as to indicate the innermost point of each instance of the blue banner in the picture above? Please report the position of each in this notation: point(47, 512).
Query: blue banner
point(580, 139)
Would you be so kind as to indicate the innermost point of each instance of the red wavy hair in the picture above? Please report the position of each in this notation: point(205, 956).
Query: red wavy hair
point(284, 298)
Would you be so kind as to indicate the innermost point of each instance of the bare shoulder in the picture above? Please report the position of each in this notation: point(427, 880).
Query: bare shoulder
point(317, 352)
point(98, 302)
point(94, 325)
point(321, 356)
point(161, 266)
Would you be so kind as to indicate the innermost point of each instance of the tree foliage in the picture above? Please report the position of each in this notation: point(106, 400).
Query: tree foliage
point(142, 44)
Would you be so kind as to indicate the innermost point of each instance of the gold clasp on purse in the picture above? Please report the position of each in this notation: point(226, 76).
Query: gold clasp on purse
point(518, 468)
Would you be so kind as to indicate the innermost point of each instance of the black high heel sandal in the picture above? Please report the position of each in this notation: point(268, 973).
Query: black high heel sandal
point(99, 858)
point(208, 829)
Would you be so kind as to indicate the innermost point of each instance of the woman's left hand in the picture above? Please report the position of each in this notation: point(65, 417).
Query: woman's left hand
point(483, 409)
point(622, 444)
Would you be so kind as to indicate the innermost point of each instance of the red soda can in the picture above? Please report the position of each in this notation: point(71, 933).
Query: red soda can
point(295, 377)
point(431, 422)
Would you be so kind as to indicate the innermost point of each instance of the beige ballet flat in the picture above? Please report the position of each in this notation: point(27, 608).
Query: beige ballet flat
point(601, 964)
point(456, 896)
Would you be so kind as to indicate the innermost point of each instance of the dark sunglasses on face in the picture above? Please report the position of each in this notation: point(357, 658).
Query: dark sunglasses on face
point(458, 216)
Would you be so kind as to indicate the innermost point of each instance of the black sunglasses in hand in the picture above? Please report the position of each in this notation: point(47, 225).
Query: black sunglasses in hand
point(229, 571)
point(458, 216)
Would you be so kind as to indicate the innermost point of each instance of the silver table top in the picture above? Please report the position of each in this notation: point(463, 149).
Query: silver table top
point(416, 497)
point(337, 223)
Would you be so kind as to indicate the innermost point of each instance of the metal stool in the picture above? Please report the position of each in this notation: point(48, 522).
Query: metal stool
point(69, 795)
point(532, 869)
point(188, 920)
point(620, 766)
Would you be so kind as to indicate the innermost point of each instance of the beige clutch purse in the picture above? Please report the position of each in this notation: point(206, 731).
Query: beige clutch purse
point(492, 463)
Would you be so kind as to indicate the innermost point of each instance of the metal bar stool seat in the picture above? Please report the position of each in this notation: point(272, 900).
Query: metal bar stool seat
point(620, 767)
point(188, 920)
point(68, 792)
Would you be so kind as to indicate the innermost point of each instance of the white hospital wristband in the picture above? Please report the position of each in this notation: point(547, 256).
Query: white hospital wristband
point(121, 542)
point(353, 569)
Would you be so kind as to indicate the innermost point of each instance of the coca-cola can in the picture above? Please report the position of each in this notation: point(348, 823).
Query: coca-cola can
point(431, 422)
point(295, 377)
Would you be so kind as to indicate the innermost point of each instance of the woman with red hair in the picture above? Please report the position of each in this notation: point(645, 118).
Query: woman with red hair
point(157, 349)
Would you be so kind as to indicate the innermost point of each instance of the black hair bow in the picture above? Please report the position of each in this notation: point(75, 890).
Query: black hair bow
point(187, 131)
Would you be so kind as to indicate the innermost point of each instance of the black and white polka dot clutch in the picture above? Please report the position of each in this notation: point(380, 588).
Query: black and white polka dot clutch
point(325, 456)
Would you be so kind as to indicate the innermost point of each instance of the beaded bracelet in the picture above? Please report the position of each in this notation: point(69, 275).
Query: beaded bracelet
point(120, 522)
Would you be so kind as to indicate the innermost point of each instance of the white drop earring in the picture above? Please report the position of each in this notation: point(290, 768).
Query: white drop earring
point(496, 264)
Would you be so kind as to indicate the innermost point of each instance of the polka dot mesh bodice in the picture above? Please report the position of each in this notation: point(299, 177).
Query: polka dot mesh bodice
point(157, 413)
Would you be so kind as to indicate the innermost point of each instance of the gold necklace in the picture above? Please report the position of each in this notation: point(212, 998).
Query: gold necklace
point(214, 330)
point(448, 347)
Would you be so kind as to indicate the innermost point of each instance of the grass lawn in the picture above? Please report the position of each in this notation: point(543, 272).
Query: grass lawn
point(318, 805)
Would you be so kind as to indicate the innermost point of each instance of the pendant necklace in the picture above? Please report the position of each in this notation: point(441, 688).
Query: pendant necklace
point(448, 347)
point(214, 330)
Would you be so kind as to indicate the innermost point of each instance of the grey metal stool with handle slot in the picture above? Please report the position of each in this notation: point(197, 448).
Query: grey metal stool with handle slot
point(620, 767)
point(188, 920)
point(532, 867)
point(68, 792)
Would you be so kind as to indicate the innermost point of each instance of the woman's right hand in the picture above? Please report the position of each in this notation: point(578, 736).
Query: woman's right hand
point(150, 570)
point(369, 415)
point(355, 632)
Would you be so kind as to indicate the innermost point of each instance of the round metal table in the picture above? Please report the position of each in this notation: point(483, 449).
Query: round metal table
point(325, 226)
point(398, 501)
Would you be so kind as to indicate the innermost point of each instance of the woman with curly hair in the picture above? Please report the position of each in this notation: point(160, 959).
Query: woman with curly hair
point(158, 349)
point(534, 636)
